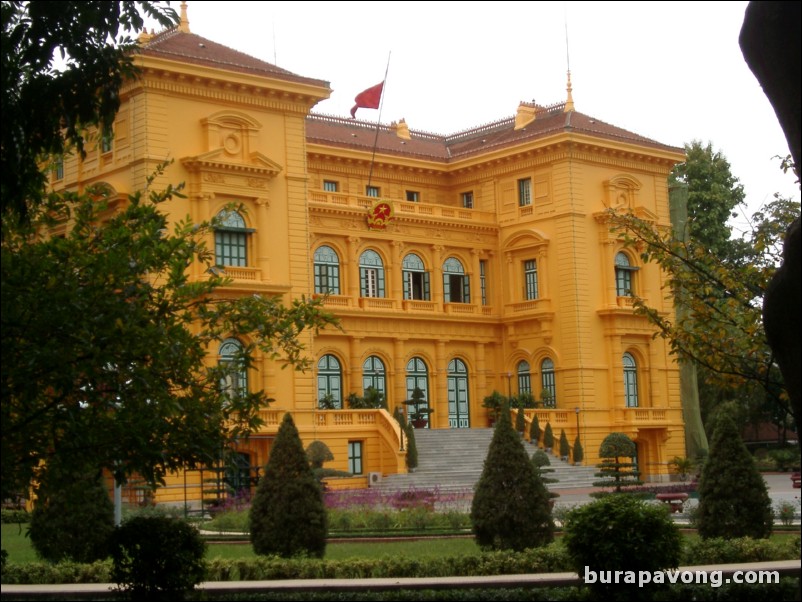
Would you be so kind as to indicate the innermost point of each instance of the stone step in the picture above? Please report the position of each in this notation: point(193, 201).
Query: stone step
point(452, 460)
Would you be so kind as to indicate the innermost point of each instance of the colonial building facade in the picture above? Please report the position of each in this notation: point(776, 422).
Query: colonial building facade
point(458, 264)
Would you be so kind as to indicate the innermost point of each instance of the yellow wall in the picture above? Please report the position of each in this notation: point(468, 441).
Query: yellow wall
point(242, 138)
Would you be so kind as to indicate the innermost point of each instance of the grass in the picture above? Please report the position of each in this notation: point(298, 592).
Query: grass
point(20, 550)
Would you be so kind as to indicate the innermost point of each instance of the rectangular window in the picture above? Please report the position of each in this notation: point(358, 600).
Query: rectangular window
point(530, 280)
point(327, 279)
point(231, 248)
point(373, 191)
point(467, 200)
point(355, 457)
point(524, 192)
point(331, 186)
point(416, 285)
point(483, 280)
point(413, 196)
point(58, 169)
point(106, 142)
point(370, 282)
point(524, 382)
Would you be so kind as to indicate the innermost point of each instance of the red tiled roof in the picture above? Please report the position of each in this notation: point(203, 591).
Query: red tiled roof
point(350, 133)
point(190, 48)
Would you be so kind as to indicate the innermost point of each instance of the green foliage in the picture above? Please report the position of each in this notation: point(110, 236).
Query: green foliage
point(720, 550)
point(157, 558)
point(124, 377)
point(720, 328)
point(616, 468)
point(621, 532)
point(733, 498)
point(527, 400)
point(494, 402)
point(47, 108)
point(542, 464)
point(548, 437)
point(565, 447)
point(318, 454)
point(713, 195)
point(579, 453)
point(681, 466)
point(9, 516)
point(72, 517)
point(412, 447)
point(534, 431)
point(510, 507)
point(288, 517)
point(419, 407)
point(520, 420)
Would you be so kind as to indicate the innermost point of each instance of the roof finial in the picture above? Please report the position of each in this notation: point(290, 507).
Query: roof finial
point(569, 100)
point(183, 25)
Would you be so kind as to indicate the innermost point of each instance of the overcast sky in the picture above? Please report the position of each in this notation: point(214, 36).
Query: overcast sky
point(671, 71)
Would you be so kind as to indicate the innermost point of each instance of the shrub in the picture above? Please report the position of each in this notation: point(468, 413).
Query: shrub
point(733, 499)
point(681, 466)
point(520, 420)
point(412, 447)
point(548, 437)
point(579, 453)
point(318, 454)
point(621, 532)
point(510, 508)
point(785, 511)
point(288, 517)
point(72, 517)
point(616, 468)
point(157, 558)
point(534, 431)
point(565, 447)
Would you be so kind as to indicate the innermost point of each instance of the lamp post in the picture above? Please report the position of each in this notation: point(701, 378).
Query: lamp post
point(577, 421)
point(509, 384)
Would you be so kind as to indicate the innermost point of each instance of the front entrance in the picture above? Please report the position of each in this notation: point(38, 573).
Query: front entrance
point(458, 414)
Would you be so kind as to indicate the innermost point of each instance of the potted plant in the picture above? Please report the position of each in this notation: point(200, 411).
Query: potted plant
point(547, 398)
point(494, 402)
point(419, 409)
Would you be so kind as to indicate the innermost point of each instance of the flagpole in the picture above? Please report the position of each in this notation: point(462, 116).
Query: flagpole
point(378, 122)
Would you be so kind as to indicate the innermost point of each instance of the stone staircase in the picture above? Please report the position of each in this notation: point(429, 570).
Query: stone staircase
point(451, 460)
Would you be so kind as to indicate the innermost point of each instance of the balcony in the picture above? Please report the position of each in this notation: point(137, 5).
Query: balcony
point(404, 208)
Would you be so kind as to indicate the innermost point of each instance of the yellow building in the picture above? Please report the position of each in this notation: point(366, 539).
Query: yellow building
point(460, 264)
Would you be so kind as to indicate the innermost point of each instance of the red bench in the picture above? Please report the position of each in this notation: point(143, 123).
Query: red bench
point(795, 478)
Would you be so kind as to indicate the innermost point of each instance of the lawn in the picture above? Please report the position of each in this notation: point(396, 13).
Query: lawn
point(19, 547)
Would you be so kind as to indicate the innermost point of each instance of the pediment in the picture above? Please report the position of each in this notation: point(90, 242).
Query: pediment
point(219, 161)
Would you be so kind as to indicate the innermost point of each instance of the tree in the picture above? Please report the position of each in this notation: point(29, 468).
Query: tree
point(534, 431)
point(565, 447)
point(105, 341)
point(548, 437)
point(721, 330)
point(579, 453)
point(713, 195)
point(617, 469)
point(288, 517)
point(510, 508)
point(47, 108)
point(73, 517)
point(733, 499)
point(520, 420)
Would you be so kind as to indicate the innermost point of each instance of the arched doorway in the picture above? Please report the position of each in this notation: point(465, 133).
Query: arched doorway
point(458, 406)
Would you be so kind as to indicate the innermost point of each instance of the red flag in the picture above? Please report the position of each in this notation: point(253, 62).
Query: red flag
point(369, 99)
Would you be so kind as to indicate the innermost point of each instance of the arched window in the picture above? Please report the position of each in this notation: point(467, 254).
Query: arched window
point(623, 275)
point(231, 239)
point(549, 388)
point(416, 278)
point(630, 381)
point(371, 274)
point(374, 375)
point(329, 383)
point(456, 288)
point(417, 377)
point(327, 271)
point(234, 380)
point(524, 378)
